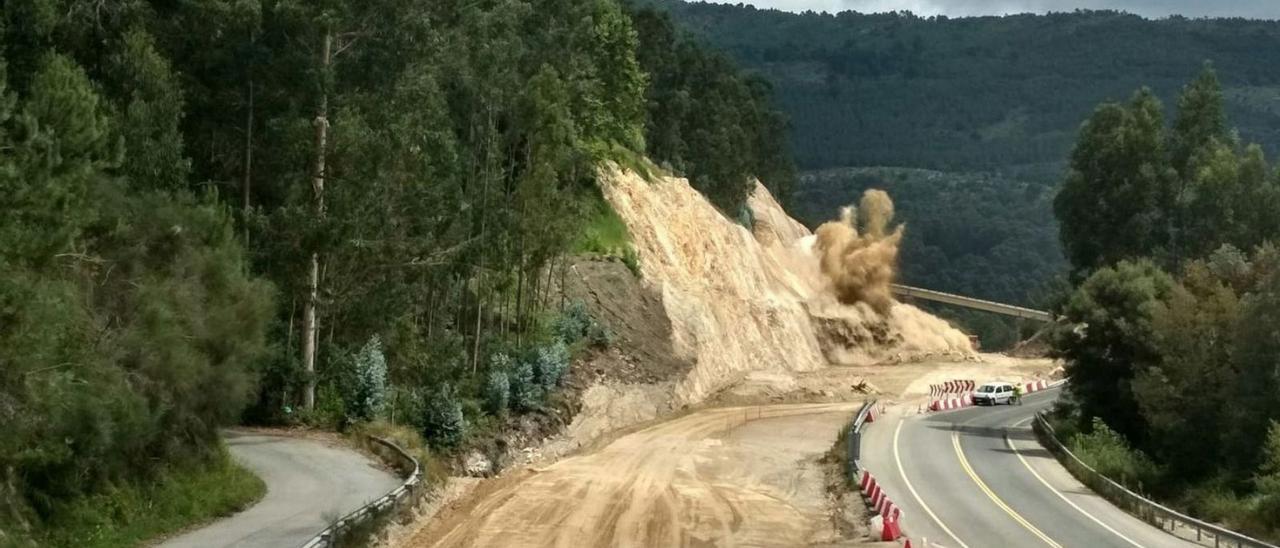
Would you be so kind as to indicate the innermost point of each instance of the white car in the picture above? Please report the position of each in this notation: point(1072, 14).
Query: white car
point(994, 393)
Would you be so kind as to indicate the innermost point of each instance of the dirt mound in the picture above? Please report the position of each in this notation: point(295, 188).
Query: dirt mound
point(743, 300)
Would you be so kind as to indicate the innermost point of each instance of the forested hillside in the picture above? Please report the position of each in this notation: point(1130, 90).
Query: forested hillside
point(984, 93)
point(1170, 331)
point(321, 213)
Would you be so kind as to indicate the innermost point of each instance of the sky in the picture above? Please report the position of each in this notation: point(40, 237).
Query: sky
point(1258, 9)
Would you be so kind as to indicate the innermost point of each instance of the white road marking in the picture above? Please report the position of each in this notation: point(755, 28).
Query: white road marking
point(1064, 498)
point(897, 457)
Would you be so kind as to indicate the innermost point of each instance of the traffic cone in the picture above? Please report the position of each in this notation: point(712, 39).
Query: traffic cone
point(906, 543)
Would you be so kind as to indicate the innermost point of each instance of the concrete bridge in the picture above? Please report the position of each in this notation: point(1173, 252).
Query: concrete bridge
point(967, 302)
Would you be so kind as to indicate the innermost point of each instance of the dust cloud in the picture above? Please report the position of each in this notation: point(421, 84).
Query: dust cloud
point(861, 267)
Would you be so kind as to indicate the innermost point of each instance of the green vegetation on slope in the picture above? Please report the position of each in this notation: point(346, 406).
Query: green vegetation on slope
point(982, 93)
point(128, 516)
point(707, 121)
point(1170, 339)
point(330, 212)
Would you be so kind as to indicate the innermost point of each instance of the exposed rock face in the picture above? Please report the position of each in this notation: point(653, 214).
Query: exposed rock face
point(749, 300)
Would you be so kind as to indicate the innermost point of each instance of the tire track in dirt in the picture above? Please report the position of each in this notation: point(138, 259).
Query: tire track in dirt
point(745, 476)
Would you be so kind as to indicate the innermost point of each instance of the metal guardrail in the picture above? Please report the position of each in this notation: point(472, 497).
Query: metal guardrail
point(386, 503)
point(854, 440)
point(968, 302)
point(1145, 509)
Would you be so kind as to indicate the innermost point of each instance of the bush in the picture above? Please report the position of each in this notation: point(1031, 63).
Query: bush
point(573, 323)
point(1268, 481)
point(1108, 453)
point(497, 393)
point(369, 387)
point(131, 513)
point(599, 336)
point(551, 364)
point(526, 392)
point(443, 424)
point(330, 411)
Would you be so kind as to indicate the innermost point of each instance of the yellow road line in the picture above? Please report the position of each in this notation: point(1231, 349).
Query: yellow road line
point(897, 457)
point(1014, 448)
point(964, 463)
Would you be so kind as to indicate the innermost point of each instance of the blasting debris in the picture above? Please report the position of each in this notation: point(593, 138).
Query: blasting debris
point(861, 267)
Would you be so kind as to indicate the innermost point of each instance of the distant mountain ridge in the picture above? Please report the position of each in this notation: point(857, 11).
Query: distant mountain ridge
point(1003, 94)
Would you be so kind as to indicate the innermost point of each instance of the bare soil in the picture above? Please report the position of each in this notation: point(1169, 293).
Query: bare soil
point(746, 476)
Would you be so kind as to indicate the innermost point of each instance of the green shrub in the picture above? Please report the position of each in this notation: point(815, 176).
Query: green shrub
point(368, 396)
point(551, 364)
point(176, 498)
point(443, 423)
point(1268, 481)
point(526, 392)
point(497, 393)
point(599, 336)
point(631, 260)
point(1108, 453)
point(573, 323)
point(330, 411)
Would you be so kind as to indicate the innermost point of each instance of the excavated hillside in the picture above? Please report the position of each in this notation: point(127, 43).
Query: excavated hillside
point(737, 357)
point(743, 301)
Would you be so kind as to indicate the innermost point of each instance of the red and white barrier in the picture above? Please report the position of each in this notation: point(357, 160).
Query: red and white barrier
point(951, 403)
point(1036, 386)
point(947, 404)
point(879, 501)
point(958, 386)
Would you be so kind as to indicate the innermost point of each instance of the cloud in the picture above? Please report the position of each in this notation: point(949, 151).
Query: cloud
point(1259, 9)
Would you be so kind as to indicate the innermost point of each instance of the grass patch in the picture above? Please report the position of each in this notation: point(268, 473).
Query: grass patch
point(840, 453)
point(179, 498)
point(633, 161)
point(603, 231)
point(434, 472)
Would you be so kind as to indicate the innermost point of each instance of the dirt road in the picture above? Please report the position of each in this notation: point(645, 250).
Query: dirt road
point(746, 476)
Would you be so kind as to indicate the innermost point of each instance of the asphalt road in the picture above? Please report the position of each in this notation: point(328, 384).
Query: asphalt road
point(309, 484)
point(977, 477)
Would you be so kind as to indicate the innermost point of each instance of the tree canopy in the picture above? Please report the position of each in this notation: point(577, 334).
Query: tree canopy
point(320, 212)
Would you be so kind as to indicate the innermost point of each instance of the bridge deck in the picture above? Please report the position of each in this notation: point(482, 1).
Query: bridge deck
point(977, 304)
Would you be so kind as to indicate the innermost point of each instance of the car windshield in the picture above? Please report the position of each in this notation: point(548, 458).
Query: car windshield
point(987, 388)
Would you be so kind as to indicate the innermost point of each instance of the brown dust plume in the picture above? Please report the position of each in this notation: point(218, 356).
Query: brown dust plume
point(861, 267)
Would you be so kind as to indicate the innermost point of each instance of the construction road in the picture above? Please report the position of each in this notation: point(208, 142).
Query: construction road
point(746, 476)
point(977, 477)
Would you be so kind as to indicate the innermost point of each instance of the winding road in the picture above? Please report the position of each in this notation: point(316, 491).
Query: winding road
point(309, 484)
point(977, 477)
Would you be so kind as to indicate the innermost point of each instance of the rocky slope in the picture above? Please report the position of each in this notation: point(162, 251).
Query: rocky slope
point(742, 301)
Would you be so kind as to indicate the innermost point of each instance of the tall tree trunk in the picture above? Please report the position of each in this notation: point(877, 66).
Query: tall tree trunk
point(310, 326)
point(248, 154)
